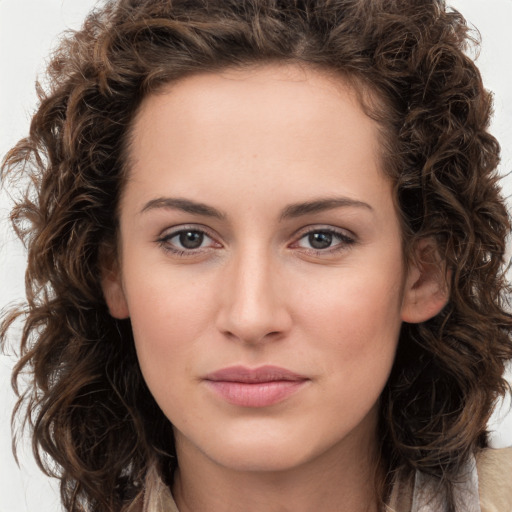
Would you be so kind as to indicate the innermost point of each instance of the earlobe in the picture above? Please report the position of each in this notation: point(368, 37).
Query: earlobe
point(113, 292)
point(426, 289)
point(114, 297)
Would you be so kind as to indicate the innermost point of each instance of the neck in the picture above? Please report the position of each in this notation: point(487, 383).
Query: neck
point(342, 477)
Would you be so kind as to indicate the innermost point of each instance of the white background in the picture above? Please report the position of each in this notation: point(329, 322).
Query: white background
point(28, 30)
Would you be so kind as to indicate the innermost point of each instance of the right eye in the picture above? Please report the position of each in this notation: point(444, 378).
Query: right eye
point(187, 240)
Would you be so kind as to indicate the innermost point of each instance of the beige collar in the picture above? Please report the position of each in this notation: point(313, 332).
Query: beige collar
point(421, 494)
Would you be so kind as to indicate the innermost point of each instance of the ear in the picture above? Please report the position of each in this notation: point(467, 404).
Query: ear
point(426, 289)
point(112, 286)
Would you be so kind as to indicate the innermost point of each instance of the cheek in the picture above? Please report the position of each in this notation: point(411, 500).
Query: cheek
point(354, 336)
point(169, 317)
point(356, 319)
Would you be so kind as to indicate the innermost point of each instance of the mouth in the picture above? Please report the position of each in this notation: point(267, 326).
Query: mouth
point(255, 387)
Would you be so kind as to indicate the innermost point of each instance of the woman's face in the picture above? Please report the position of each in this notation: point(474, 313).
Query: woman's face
point(261, 265)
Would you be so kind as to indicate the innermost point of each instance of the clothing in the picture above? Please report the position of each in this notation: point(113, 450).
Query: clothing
point(157, 497)
point(421, 495)
point(487, 488)
point(495, 480)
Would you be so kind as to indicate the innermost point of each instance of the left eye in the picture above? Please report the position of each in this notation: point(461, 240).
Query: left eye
point(323, 239)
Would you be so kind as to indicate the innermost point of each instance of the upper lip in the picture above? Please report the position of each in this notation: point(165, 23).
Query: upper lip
point(242, 374)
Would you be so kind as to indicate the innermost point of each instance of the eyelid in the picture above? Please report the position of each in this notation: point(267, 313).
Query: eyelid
point(347, 238)
point(163, 239)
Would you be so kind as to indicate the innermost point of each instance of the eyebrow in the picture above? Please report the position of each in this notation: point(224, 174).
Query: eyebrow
point(289, 212)
point(184, 205)
point(321, 205)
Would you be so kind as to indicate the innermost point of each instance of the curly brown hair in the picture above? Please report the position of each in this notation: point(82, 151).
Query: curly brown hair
point(95, 424)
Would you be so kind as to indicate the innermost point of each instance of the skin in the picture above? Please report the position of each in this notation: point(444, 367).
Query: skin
point(249, 144)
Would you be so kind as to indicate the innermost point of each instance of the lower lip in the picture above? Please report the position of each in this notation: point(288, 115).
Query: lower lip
point(256, 394)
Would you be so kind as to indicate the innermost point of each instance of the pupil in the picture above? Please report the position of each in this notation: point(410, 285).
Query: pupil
point(320, 240)
point(191, 239)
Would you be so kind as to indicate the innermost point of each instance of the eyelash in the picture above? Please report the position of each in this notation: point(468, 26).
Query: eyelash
point(345, 241)
point(164, 241)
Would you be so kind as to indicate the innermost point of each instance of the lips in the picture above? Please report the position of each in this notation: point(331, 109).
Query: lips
point(257, 387)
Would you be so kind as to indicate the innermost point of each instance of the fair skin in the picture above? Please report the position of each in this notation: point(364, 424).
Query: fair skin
point(258, 228)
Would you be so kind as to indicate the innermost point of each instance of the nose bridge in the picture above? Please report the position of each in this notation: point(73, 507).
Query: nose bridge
point(253, 307)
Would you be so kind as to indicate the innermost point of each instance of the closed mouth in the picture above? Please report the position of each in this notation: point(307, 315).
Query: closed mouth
point(259, 387)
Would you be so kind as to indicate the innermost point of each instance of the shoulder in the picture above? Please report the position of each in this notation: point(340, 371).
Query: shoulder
point(495, 479)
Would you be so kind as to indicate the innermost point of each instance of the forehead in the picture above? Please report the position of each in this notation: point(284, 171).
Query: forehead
point(301, 83)
point(285, 128)
point(303, 102)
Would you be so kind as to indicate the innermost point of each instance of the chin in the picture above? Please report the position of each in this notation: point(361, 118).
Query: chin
point(269, 449)
point(262, 457)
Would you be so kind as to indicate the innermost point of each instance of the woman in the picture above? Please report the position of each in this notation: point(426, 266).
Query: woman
point(265, 260)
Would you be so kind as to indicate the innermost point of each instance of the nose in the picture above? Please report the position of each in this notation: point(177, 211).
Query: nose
point(252, 302)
